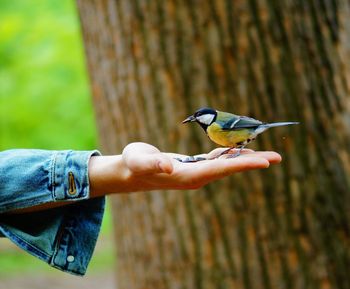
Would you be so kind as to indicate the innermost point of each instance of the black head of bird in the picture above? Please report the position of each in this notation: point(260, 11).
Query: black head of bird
point(204, 117)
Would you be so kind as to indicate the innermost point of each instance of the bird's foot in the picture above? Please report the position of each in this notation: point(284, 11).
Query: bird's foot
point(198, 158)
point(231, 156)
point(234, 155)
point(225, 152)
point(190, 159)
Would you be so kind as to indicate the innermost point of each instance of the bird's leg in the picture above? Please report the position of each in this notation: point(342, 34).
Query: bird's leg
point(230, 156)
point(225, 152)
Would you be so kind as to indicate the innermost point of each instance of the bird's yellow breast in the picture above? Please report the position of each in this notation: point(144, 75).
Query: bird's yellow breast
point(225, 137)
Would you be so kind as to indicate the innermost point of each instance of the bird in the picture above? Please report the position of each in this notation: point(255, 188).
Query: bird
point(228, 129)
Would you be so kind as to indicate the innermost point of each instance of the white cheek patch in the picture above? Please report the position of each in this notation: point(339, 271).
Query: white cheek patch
point(206, 118)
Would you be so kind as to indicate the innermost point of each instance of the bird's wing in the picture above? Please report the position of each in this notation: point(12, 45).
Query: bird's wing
point(240, 122)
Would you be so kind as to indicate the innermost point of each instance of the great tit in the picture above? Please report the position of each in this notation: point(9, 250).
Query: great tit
point(229, 130)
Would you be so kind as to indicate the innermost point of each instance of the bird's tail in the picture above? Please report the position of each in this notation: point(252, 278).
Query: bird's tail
point(261, 128)
point(274, 124)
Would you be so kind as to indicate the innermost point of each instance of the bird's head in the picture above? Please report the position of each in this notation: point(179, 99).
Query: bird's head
point(204, 117)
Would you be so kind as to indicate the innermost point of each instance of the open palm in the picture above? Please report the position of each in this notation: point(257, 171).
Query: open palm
point(150, 169)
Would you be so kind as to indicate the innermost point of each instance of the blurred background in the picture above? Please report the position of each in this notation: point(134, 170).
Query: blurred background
point(45, 103)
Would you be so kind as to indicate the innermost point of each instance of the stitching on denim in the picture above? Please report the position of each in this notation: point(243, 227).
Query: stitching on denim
point(59, 236)
point(71, 271)
point(58, 239)
point(86, 186)
point(49, 259)
point(53, 175)
point(12, 234)
point(86, 170)
point(25, 204)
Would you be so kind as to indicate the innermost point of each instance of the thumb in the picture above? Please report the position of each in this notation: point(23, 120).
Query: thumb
point(149, 164)
point(140, 159)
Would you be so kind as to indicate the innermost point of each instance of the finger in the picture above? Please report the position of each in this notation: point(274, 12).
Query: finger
point(225, 167)
point(272, 157)
point(218, 151)
point(149, 164)
point(142, 158)
point(206, 171)
point(194, 175)
point(137, 147)
point(215, 153)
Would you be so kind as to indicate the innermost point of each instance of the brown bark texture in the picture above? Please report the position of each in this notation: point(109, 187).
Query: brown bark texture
point(152, 63)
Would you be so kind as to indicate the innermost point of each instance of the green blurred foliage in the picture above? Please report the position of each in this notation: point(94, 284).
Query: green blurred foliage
point(45, 99)
point(44, 92)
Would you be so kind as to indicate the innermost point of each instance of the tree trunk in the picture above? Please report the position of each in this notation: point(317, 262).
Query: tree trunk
point(152, 63)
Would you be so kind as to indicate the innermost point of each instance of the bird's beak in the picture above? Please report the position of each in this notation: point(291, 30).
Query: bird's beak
point(191, 118)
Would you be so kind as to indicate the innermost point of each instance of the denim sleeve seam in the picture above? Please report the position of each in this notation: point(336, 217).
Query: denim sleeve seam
point(52, 175)
point(86, 171)
point(17, 240)
point(71, 271)
point(58, 239)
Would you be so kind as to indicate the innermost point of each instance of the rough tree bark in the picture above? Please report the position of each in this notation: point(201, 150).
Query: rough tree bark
point(152, 63)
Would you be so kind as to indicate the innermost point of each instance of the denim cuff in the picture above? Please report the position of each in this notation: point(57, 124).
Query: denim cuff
point(69, 175)
point(33, 177)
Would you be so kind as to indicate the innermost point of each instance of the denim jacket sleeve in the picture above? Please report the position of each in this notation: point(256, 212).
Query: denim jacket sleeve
point(64, 237)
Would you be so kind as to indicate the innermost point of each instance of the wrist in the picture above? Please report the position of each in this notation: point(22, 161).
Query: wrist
point(107, 175)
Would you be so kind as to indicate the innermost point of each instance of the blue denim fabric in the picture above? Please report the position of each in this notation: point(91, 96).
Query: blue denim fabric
point(64, 237)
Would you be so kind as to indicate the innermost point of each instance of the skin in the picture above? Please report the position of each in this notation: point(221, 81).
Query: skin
point(142, 167)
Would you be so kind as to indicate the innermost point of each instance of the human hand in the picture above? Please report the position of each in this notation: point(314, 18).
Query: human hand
point(142, 167)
